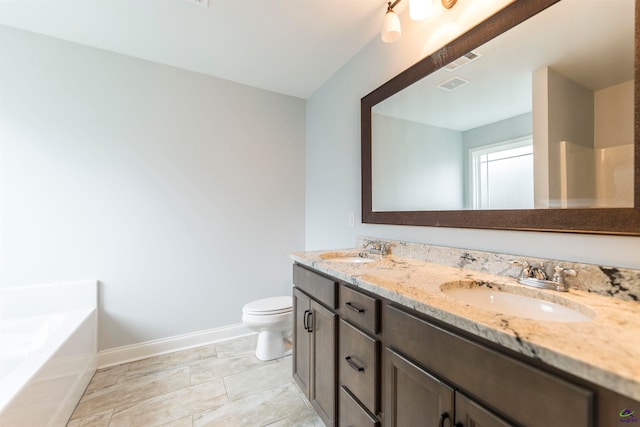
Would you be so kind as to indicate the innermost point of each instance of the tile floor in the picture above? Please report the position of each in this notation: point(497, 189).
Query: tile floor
point(221, 384)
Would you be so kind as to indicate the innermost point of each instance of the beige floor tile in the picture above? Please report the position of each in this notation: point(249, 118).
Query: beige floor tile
point(174, 359)
point(100, 419)
point(132, 388)
point(258, 379)
point(237, 346)
point(208, 369)
point(193, 388)
point(182, 422)
point(106, 377)
point(302, 396)
point(171, 406)
point(305, 418)
point(257, 410)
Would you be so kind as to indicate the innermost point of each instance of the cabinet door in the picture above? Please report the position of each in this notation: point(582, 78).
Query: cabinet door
point(413, 397)
point(301, 340)
point(507, 385)
point(323, 396)
point(352, 414)
point(359, 365)
point(471, 414)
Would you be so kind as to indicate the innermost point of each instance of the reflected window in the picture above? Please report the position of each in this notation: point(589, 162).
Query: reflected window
point(502, 175)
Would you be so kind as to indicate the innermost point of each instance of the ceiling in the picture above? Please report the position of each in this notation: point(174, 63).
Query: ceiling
point(287, 46)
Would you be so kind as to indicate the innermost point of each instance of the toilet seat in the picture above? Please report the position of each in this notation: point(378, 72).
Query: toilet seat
point(272, 319)
point(269, 306)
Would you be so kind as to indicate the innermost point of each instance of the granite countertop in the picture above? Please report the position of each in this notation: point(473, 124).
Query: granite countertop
point(604, 350)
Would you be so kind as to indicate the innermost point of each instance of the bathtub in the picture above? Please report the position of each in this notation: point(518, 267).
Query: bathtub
point(48, 351)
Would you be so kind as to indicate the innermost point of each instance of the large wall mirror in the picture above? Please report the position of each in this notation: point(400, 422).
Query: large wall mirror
point(529, 121)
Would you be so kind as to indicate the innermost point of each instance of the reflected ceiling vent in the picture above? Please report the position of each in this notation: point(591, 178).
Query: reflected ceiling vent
point(453, 83)
point(463, 60)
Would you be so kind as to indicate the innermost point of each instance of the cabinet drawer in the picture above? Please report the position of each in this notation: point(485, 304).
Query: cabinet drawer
point(359, 365)
point(319, 287)
point(525, 394)
point(360, 309)
point(352, 414)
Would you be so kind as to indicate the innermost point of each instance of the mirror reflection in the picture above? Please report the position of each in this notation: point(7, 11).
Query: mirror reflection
point(540, 117)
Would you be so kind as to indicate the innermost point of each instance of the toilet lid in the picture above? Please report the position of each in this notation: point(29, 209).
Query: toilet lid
point(274, 305)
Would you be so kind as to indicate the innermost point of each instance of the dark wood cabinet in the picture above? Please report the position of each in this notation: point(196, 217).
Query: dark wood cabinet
point(508, 386)
point(413, 396)
point(324, 333)
point(359, 356)
point(301, 341)
point(360, 309)
point(471, 414)
point(382, 364)
point(315, 335)
point(359, 365)
point(352, 414)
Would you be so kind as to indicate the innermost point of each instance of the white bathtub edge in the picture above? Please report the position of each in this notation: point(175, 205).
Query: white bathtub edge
point(15, 381)
point(56, 372)
point(75, 392)
point(133, 352)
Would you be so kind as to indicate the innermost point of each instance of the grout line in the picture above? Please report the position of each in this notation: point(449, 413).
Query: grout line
point(110, 417)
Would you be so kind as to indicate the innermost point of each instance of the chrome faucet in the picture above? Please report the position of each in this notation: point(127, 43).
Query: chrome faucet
point(560, 274)
point(538, 278)
point(539, 273)
point(376, 247)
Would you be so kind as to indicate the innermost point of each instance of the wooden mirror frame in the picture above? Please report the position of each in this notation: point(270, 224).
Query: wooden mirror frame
point(622, 221)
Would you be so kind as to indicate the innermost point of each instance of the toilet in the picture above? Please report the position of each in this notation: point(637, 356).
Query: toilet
point(272, 319)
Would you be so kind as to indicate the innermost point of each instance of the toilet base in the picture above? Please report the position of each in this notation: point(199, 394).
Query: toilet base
point(271, 345)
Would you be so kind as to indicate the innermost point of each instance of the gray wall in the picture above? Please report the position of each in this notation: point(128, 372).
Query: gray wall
point(613, 123)
point(409, 162)
point(333, 158)
point(183, 194)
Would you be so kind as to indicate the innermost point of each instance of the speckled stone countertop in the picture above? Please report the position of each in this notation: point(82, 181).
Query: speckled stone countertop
point(604, 350)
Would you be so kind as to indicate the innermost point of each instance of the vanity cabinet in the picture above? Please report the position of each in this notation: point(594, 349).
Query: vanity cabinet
point(360, 309)
point(415, 397)
point(365, 361)
point(353, 414)
point(511, 392)
point(359, 357)
point(315, 340)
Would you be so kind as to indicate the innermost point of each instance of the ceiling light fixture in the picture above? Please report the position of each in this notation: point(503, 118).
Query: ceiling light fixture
point(418, 10)
point(391, 30)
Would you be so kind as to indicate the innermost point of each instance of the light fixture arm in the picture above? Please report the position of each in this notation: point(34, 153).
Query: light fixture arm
point(447, 4)
point(390, 5)
point(418, 11)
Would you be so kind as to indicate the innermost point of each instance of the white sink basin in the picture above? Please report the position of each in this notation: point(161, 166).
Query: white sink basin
point(527, 307)
point(345, 257)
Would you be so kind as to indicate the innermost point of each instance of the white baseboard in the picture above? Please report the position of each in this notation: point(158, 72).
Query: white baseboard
point(130, 353)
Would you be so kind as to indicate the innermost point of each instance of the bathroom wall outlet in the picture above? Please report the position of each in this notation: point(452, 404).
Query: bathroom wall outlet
point(351, 219)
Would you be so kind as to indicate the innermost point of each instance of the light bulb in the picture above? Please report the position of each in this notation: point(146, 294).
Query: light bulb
point(419, 9)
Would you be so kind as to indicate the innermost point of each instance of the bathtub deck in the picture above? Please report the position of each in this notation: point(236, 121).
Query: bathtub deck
point(222, 384)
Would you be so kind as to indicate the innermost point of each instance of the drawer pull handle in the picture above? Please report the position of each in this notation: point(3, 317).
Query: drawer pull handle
point(353, 364)
point(355, 308)
point(307, 321)
point(443, 416)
